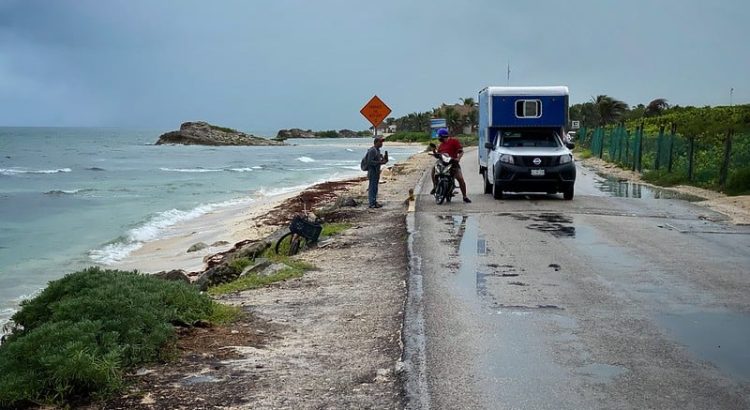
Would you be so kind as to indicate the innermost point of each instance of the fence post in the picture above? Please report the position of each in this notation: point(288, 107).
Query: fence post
point(627, 147)
point(671, 146)
point(727, 157)
point(658, 147)
point(691, 155)
point(640, 150)
point(637, 148)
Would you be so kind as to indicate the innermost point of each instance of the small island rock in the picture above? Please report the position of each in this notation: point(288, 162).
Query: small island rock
point(203, 133)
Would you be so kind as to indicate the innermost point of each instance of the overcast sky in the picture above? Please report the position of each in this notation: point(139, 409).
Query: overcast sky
point(264, 65)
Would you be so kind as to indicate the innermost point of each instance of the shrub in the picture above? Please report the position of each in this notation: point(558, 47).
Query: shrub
point(295, 269)
point(738, 182)
point(409, 137)
point(664, 178)
point(83, 331)
point(240, 264)
point(468, 140)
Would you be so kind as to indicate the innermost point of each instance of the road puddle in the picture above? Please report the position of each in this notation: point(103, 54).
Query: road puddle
point(721, 338)
point(557, 225)
point(470, 247)
point(627, 189)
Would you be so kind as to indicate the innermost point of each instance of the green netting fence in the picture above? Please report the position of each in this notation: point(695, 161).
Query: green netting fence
point(720, 162)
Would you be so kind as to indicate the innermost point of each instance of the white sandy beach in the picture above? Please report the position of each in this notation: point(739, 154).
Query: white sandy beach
point(230, 225)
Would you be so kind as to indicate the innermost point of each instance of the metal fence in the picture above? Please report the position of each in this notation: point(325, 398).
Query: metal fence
point(701, 161)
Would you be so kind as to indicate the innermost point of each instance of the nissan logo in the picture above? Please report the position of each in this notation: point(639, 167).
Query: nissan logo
point(537, 161)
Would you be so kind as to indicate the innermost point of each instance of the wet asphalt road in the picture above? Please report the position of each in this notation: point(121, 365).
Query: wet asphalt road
point(602, 302)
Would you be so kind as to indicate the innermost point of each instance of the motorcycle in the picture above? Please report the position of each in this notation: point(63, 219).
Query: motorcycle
point(444, 175)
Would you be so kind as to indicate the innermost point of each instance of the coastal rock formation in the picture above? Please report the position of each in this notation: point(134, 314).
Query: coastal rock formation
point(294, 133)
point(203, 133)
point(300, 133)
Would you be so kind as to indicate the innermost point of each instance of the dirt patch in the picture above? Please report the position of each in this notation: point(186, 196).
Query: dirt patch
point(200, 377)
point(331, 339)
point(736, 208)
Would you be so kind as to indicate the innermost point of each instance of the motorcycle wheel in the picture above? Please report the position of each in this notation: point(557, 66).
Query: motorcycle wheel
point(440, 193)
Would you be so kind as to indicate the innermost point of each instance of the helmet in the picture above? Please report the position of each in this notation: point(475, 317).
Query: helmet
point(442, 133)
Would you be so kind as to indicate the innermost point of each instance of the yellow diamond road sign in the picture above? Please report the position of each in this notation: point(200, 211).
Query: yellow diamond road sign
point(375, 111)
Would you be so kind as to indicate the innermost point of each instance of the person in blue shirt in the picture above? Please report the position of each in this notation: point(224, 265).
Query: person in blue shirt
point(374, 160)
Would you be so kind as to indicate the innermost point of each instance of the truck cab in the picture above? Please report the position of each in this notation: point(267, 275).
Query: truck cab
point(522, 145)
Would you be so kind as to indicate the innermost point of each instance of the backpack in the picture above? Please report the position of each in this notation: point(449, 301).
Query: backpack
point(363, 164)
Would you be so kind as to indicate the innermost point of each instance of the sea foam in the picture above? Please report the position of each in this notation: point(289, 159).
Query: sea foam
point(17, 171)
point(198, 170)
point(157, 227)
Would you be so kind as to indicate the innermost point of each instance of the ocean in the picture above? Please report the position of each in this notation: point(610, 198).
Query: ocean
point(77, 197)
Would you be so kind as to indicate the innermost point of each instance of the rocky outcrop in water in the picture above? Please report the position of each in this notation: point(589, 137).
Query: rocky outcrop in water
point(203, 133)
point(294, 133)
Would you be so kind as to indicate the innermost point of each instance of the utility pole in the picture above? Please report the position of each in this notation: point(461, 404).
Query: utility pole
point(507, 82)
point(731, 92)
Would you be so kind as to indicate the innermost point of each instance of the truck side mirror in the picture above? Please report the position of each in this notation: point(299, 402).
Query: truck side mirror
point(570, 145)
point(489, 145)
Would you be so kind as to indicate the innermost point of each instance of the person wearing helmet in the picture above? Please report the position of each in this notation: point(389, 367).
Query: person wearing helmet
point(452, 147)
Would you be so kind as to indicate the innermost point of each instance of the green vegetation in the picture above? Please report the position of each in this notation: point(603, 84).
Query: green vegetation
point(704, 146)
point(327, 134)
point(468, 140)
point(254, 281)
point(331, 229)
point(410, 137)
point(77, 338)
point(584, 153)
point(664, 178)
point(457, 117)
point(424, 137)
point(295, 269)
point(739, 182)
point(225, 129)
point(240, 263)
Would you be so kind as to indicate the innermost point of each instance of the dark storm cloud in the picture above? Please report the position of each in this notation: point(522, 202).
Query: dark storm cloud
point(292, 63)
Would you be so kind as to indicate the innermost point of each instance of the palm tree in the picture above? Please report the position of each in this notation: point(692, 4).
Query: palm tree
point(656, 107)
point(609, 109)
point(469, 102)
point(471, 119)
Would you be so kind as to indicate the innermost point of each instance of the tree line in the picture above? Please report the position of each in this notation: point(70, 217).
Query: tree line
point(458, 117)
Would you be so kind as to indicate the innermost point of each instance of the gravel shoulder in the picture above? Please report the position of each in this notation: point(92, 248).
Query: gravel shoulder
point(331, 339)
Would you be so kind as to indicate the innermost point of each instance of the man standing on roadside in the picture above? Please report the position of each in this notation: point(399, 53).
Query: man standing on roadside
point(452, 147)
point(374, 160)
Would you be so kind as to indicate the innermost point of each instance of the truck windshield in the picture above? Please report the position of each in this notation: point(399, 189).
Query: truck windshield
point(529, 138)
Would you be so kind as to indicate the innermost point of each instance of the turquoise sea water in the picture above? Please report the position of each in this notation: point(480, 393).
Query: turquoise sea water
point(76, 197)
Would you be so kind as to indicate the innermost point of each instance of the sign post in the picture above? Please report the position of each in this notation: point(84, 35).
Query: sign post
point(375, 111)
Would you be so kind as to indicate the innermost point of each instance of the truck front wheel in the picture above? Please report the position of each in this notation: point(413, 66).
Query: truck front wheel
point(497, 191)
point(568, 192)
point(487, 184)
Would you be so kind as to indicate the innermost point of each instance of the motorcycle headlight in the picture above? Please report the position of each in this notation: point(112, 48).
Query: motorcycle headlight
point(564, 159)
point(506, 158)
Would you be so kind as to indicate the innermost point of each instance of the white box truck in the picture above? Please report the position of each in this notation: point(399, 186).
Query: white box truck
point(521, 144)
